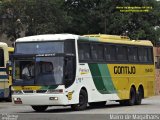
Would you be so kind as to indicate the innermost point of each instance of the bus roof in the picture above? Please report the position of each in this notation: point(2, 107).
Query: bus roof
point(115, 39)
point(47, 37)
point(93, 37)
point(104, 36)
point(3, 44)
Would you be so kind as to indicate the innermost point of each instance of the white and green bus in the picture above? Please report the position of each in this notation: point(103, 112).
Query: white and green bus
point(66, 69)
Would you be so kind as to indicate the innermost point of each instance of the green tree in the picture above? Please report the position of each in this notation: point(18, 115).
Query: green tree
point(45, 16)
point(33, 17)
point(101, 16)
point(79, 17)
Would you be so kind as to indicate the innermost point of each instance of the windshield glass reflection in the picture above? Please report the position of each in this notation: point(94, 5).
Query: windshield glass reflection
point(43, 71)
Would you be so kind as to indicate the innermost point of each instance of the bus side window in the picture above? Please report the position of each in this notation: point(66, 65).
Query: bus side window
point(81, 55)
point(68, 72)
point(84, 51)
point(121, 53)
point(107, 52)
point(97, 52)
point(132, 54)
point(142, 54)
point(94, 52)
point(1, 58)
point(145, 54)
point(110, 52)
point(150, 55)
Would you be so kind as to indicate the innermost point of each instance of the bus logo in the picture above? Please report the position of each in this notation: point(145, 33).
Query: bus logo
point(83, 71)
point(124, 70)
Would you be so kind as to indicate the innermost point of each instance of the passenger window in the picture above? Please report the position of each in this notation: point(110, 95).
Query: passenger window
point(84, 51)
point(121, 53)
point(142, 54)
point(132, 54)
point(150, 55)
point(1, 58)
point(97, 52)
point(110, 52)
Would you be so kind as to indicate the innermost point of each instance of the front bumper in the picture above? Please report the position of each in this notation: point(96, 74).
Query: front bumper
point(40, 99)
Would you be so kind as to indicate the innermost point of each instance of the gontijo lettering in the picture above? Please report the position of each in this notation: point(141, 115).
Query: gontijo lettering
point(124, 69)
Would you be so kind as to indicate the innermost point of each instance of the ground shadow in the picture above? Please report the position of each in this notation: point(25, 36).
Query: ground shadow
point(69, 110)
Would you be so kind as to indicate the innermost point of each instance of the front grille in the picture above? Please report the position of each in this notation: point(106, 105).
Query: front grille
point(28, 91)
point(41, 91)
point(34, 91)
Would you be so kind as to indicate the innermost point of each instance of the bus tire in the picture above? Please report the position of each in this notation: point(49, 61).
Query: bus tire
point(9, 98)
point(132, 99)
point(98, 104)
point(83, 100)
point(39, 108)
point(123, 102)
point(139, 96)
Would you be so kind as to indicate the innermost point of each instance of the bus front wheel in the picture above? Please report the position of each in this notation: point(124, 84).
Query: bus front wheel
point(83, 100)
point(9, 98)
point(39, 108)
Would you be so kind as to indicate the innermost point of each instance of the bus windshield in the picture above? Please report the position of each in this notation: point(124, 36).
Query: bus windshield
point(44, 63)
point(39, 47)
point(41, 71)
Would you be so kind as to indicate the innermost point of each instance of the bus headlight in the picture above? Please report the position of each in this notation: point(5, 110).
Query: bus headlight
point(17, 100)
point(53, 98)
point(55, 91)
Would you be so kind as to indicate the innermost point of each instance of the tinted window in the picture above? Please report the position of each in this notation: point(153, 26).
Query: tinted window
point(142, 54)
point(84, 51)
point(110, 52)
point(1, 58)
point(39, 47)
point(121, 53)
point(150, 54)
point(69, 46)
point(97, 52)
point(132, 54)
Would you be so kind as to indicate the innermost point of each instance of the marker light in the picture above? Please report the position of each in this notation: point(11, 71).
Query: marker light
point(53, 98)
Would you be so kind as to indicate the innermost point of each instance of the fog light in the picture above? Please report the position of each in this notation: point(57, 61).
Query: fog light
point(53, 98)
point(17, 100)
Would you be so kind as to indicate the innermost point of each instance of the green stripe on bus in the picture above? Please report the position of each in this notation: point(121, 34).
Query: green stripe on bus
point(101, 78)
point(107, 78)
point(97, 78)
point(49, 87)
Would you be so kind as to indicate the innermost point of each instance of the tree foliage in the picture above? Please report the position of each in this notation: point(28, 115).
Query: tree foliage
point(80, 17)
